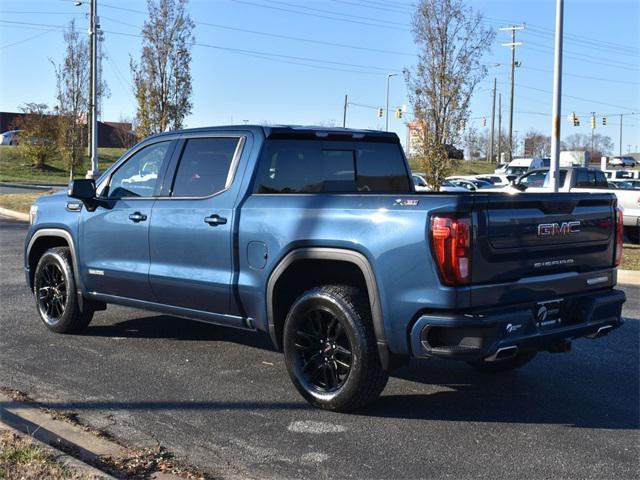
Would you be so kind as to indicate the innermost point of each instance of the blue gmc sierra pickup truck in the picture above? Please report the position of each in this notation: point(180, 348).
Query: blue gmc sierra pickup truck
point(317, 237)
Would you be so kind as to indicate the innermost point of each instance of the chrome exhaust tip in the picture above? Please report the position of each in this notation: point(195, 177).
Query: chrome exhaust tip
point(601, 332)
point(504, 353)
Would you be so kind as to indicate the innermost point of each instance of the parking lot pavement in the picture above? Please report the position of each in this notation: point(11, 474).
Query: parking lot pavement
point(222, 399)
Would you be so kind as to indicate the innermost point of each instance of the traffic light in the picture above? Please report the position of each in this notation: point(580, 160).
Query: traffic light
point(593, 121)
point(484, 121)
point(573, 118)
point(380, 112)
point(604, 120)
point(399, 112)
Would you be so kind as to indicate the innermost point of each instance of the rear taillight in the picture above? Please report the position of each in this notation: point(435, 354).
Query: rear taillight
point(619, 237)
point(451, 244)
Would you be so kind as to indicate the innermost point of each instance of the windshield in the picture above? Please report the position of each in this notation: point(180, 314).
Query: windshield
point(517, 170)
point(418, 181)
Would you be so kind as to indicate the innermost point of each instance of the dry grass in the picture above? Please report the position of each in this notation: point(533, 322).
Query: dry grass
point(19, 202)
point(630, 257)
point(21, 458)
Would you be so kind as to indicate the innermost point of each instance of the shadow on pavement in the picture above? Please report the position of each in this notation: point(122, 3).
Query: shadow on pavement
point(597, 387)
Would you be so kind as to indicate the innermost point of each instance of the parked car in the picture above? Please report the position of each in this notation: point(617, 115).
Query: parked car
point(419, 183)
point(501, 169)
point(520, 166)
point(448, 186)
point(471, 184)
point(495, 180)
point(625, 184)
point(317, 237)
point(10, 137)
point(624, 161)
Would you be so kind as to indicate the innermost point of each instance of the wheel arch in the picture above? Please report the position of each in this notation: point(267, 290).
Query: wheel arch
point(352, 261)
point(44, 239)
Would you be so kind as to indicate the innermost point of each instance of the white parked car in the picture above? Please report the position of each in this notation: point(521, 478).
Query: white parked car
point(420, 183)
point(501, 169)
point(624, 161)
point(10, 137)
point(495, 179)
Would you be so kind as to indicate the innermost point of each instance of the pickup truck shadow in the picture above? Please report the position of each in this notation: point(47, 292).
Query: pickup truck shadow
point(173, 328)
point(596, 386)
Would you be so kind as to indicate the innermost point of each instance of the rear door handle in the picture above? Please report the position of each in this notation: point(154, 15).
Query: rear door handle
point(215, 220)
point(137, 217)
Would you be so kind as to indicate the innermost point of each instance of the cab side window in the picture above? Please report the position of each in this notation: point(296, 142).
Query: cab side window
point(204, 167)
point(138, 176)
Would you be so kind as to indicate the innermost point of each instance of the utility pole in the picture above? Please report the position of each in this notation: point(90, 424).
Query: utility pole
point(593, 130)
point(499, 125)
point(621, 115)
point(386, 116)
point(493, 118)
point(93, 41)
point(344, 112)
point(513, 44)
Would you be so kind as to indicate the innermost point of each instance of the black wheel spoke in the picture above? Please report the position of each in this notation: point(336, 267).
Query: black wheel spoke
point(52, 292)
point(324, 361)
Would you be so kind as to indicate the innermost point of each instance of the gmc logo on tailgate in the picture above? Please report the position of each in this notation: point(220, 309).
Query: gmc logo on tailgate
point(563, 229)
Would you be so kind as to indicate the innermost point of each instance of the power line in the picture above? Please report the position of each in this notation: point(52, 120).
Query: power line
point(272, 7)
point(28, 38)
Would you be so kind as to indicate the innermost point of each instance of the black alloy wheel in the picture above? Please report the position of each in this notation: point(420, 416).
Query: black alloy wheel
point(323, 350)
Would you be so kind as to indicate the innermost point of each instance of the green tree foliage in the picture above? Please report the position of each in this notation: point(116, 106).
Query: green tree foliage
point(162, 78)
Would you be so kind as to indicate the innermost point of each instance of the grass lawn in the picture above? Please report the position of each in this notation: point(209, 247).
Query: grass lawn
point(21, 458)
point(14, 168)
point(474, 167)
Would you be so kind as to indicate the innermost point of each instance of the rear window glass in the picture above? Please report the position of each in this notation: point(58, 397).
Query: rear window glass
point(309, 166)
point(204, 166)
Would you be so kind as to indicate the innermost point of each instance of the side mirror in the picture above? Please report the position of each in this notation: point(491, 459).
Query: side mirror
point(82, 189)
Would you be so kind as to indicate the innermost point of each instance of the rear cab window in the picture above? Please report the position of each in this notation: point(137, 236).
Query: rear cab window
point(317, 166)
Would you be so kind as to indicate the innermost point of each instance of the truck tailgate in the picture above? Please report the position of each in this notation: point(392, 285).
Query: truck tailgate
point(540, 234)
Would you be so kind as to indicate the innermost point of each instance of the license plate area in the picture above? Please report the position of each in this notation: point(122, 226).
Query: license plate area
point(549, 314)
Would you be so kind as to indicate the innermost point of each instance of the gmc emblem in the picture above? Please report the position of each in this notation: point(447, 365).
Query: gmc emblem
point(558, 229)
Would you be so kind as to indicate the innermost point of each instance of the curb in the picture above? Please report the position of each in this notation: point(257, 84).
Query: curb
point(24, 217)
point(59, 455)
point(629, 277)
point(47, 186)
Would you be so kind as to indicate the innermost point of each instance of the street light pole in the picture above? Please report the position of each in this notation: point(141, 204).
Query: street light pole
point(93, 40)
point(557, 99)
point(493, 118)
point(386, 117)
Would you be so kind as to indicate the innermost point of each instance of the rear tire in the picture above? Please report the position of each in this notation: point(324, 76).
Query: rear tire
point(330, 349)
point(520, 360)
point(55, 293)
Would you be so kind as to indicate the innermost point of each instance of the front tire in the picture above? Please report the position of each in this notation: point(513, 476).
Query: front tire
point(55, 293)
point(330, 349)
point(520, 360)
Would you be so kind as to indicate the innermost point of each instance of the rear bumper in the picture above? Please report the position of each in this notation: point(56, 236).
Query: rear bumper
point(483, 334)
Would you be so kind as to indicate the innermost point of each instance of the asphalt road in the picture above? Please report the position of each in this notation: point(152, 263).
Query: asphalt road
point(222, 399)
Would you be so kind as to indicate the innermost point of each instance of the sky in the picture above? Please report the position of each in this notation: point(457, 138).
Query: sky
point(292, 61)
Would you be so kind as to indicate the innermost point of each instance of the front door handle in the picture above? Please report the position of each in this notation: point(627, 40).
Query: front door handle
point(137, 217)
point(215, 220)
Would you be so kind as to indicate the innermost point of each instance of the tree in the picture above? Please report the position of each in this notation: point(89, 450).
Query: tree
point(38, 135)
point(602, 144)
point(162, 78)
point(536, 144)
point(451, 39)
point(72, 84)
